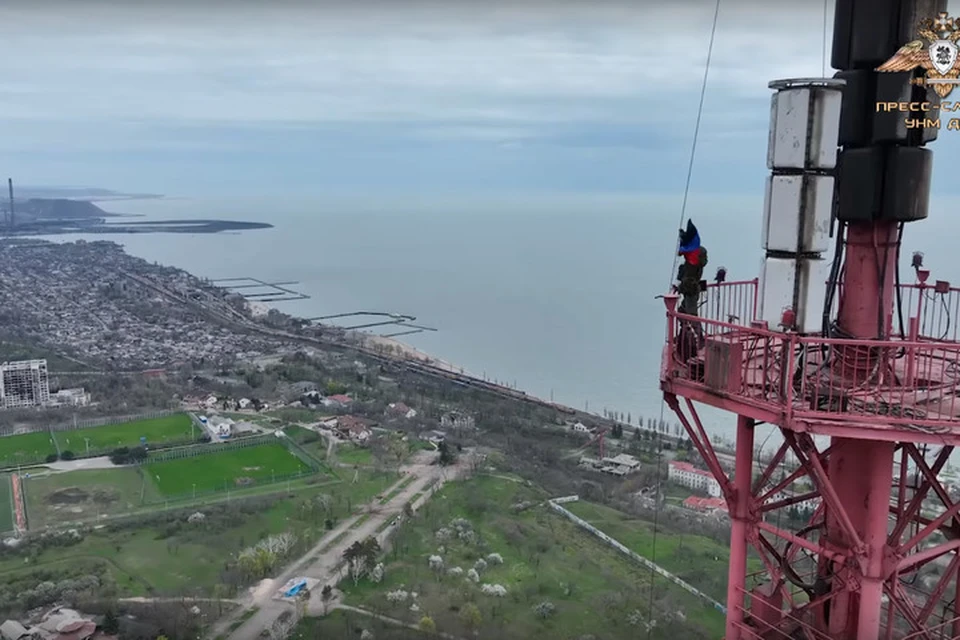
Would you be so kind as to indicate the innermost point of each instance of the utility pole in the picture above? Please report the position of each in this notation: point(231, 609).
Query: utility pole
point(13, 220)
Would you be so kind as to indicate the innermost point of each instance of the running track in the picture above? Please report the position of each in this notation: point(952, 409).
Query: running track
point(21, 519)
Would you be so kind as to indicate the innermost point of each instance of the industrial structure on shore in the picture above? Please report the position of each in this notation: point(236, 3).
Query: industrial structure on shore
point(859, 370)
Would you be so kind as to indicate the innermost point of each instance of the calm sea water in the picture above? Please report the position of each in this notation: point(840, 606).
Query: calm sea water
point(554, 293)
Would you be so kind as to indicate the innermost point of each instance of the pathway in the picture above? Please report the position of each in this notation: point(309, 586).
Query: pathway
point(322, 562)
point(100, 462)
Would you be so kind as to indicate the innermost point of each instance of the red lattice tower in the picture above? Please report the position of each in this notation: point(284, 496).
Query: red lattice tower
point(867, 408)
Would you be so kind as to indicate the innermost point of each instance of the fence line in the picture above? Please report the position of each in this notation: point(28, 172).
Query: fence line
point(90, 423)
point(193, 450)
point(555, 505)
point(102, 422)
point(305, 456)
point(226, 489)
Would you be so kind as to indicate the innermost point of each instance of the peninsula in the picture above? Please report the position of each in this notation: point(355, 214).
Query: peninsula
point(53, 216)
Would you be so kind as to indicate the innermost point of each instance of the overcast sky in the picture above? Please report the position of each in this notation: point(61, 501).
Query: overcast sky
point(200, 97)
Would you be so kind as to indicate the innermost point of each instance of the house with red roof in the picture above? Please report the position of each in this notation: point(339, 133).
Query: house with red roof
point(696, 503)
point(684, 473)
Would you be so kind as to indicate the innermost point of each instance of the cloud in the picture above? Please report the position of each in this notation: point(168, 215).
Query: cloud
point(373, 86)
point(403, 62)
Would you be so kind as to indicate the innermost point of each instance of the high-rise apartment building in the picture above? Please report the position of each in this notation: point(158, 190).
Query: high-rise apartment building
point(24, 384)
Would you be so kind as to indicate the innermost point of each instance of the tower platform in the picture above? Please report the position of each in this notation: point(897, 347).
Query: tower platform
point(880, 403)
point(868, 389)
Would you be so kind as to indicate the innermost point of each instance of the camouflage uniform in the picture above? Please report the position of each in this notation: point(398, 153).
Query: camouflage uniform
point(690, 276)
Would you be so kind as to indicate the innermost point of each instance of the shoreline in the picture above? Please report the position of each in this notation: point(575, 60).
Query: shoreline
point(374, 342)
point(409, 352)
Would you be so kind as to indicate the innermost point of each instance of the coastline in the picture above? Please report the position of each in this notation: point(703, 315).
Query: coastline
point(379, 343)
point(408, 352)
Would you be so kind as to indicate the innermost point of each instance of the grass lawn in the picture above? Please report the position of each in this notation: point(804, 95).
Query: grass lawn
point(174, 428)
point(351, 454)
point(700, 561)
point(301, 435)
point(148, 560)
point(224, 470)
point(349, 625)
point(593, 588)
point(80, 495)
point(6, 504)
point(26, 448)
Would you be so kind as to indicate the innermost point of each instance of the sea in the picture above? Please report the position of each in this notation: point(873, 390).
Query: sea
point(555, 294)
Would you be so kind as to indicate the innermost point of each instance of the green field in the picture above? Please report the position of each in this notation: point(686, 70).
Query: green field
point(353, 455)
point(233, 469)
point(6, 504)
point(174, 428)
point(33, 448)
point(27, 448)
point(173, 558)
point(80, 495)
point(546, 558)
point(697, 560)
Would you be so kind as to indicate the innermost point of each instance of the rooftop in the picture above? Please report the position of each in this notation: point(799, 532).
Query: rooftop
point(686, 466)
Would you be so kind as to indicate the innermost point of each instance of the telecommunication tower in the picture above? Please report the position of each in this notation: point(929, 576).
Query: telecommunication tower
point(868, 407)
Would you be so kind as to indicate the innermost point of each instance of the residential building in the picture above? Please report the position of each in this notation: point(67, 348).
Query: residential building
point(624, 462)
point(13, 630)
point(58, 624)
point(457, 420)
point(339, 400)
point(24, 384)
point(400, 410)
point(697, 503)
point(71, 398)
point(579, 427)
point(353, 428)
point(686, 474)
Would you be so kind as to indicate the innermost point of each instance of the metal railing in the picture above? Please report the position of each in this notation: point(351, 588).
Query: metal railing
point(909, 382)
point(936, 310)
point(730, 301)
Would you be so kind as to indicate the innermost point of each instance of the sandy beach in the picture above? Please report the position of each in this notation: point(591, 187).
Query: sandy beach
point(373, 342)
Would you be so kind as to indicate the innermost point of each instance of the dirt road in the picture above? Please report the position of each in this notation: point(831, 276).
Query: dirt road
point(324, 567)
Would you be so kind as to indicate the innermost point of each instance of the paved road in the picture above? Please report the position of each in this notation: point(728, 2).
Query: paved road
point(100, 462)
point(323, 568)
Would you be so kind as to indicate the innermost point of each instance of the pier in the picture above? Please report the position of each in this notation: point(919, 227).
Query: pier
point(394, 319)
point(276, 291)
point(280, 292)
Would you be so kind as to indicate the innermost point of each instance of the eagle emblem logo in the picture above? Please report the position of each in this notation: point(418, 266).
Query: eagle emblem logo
point(936, 52)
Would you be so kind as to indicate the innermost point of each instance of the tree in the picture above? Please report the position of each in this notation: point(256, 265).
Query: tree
point(470, 616)
point(427, 625)
point(447, 456)
point(111, 625)
point(370, 550)
point(352, 555)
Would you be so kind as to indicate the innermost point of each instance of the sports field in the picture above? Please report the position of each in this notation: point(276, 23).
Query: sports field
point(226, 470)
point(33, 448)
point(174, 428)
point(80, 495)
point(6, 504)
point(27, 448)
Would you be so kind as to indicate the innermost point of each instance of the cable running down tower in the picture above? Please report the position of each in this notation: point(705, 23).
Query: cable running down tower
point(857, 536)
